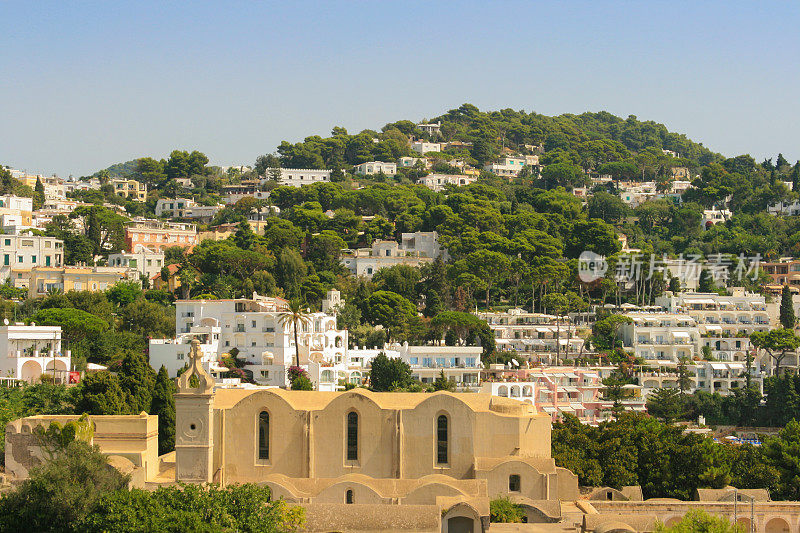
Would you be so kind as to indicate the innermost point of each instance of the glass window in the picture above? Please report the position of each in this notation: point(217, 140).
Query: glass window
point(514, 483)
point(263, 435)
point(352, 436)
point(348, 497)
point(441, 440)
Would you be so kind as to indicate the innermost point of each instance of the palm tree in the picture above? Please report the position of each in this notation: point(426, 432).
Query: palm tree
point(295, 314)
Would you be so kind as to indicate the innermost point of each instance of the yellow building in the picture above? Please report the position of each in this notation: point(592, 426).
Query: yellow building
point(449, 452)
point(43, 280)
point(131, 189)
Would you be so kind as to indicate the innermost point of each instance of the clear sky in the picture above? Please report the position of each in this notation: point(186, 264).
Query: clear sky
point(87, 84)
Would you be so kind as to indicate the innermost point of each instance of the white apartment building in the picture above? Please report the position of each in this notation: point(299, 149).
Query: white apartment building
point(534, 336)
point(560, 390)
point(725, 322)
point(376, 167)
point(174, 207)
point(147, 262)
point(661, 336)
point(20, 253)
point(437, 182)
point(414, 249)
point(251, 328)
point(460, 364)
point(27, 352)
point(423, 147)
point(708, 376)
point(785, 208)
point(297, 177)
point(507, 166)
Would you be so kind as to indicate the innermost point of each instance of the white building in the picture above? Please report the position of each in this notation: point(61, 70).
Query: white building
point(27, 352)
point(423, 147)
point(725, 322)
point(23, 252)
point(410, 162)
point(437, 182)
point(414, 249)
point(713, 216)
point(376, 167)
point(252, 329)
point(174, 207)
point(507, 166)
point(661, 336)
point(433, 128)
point(534, 336)
point(785, 208)
point(297, 177)
point(146, 261)
point(460, 364)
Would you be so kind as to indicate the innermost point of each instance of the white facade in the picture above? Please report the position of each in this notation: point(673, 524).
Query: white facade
point(661, 336)
point(26, 352)
point(785, 208)
point(376, 167)
point(23, 252)
point(535, 336)
point(725, 322)
point(432, 128)
point(297, 177)
point(713, 216)
point(414, 249)
point(437, 182)
point(147, 262)
point(410, 162)
point(460, 364)
point(174, 207)
point(253, 327)
point(422, 147)
point(511, 166)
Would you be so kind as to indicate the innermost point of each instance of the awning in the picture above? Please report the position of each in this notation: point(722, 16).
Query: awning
point(713, 327)
point(566, 409)
point(703, 301)
point(736, 366)
point(719, 366)
point(543, 330)
point(548, 409)
point(577, 406)
point(570, 389)
point(680, 334)
point(639, 408)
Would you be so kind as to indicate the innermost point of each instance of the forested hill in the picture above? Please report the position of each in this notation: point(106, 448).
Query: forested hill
point(586, 140)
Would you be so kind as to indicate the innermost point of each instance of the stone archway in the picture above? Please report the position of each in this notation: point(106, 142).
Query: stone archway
point(30, 371)
point(743, 523)
point(777, 525)
point(672, 521)
point(460, 524)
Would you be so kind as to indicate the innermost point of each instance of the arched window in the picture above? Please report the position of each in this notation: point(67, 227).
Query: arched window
point(514, 483)
point(263, 435)
point(348, 496)
point(352, 436)
point(441, 440)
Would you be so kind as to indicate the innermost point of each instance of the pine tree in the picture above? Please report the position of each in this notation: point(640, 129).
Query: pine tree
point(163, 405)
point(787, 316)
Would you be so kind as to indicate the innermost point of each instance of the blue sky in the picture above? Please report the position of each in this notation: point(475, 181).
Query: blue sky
point(88, 84)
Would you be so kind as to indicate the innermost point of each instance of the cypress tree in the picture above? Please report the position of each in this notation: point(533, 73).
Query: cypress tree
point(137, 380)
point(787, 316)
point(163, 405)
